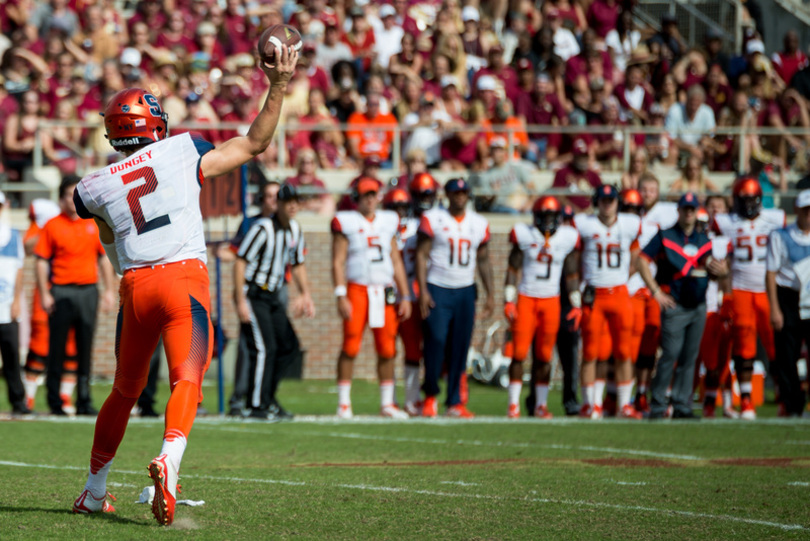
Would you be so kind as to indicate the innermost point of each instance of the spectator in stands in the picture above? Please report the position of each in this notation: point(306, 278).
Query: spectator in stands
point(408, 23)
point(667, 93)
point(713, 49)
point(428, 127)
point(690, 125)
point(603, 16)
point(525, 82)
point(542, 108)
point(347, 101)
point(95, 36)
point(571, 14)
point(770, 174)
point(497, 68)
point(609, 146)
point(543, 55)
point(565, 44)
point(410, 99)
point(718, 93)
point(694, 179)
point(790, 59)
point(505, 124)
point(19, 136)
point(504, 187)
point(690, 70)
point(471, 37)
point(633, 96)
point(466, 148)
point(590, 63)
point(360, 40)
point(415, 162)
point(364, 140)
point(66, 150)
point(639, 165)
point(451, 46)
point(622, 40)
point(332, 49)
point(388, 39)
point(174, 34)
point(788, 111)
point(312, 193)
point(450, 100)
point(727, 147)
point(669, 40)
point(577, 178)
point(407, 60)
point(54, 15)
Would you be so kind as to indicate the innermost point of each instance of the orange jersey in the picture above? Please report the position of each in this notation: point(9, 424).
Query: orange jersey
point(372, 141)
point(73, 248)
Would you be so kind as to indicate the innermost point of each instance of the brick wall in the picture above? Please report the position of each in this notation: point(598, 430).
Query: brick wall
point(321, 336)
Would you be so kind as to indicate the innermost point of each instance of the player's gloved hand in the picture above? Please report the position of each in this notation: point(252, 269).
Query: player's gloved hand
point(574, 317)
point(510, 311)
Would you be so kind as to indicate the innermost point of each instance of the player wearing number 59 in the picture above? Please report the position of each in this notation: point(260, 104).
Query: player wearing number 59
point(366, 264)
point(454, 242)
point(148, 213)
point(532, 295)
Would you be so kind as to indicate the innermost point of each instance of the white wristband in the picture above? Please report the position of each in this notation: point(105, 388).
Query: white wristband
point(575, 297)
point(340, 291)
point(509, 293)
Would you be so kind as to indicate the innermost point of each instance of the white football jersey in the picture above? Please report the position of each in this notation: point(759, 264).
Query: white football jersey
point(749, 240)
point(11, 261)
point(454, 253)
point(151, 201)
point(542, 260)
point(606, 250)
point(408, 228)
point(368, 262)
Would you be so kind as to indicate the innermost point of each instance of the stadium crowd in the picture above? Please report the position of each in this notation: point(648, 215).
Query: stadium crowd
point(480, 91)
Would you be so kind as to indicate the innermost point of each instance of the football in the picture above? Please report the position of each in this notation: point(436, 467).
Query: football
point(277, 36)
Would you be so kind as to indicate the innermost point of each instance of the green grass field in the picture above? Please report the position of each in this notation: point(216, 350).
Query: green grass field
point(488, 478)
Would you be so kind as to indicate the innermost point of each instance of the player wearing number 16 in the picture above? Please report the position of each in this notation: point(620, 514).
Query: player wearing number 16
point(455, 242)
point(609, 249)
point(148, 213)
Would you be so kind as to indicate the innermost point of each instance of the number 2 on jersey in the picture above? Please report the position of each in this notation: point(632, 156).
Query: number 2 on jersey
point(134, 199)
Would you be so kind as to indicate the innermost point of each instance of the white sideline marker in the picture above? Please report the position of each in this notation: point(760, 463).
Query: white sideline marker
point(373, 488)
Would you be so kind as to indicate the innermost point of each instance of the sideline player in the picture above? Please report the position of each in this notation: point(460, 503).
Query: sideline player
point(747, 227)
point(539, 252)
point(148, 213)
point(366, 263)
point(423, 189)
point(454, 241)
point(609, 249)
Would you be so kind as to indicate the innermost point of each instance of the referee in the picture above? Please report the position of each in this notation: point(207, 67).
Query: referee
point(270, 245)
point(684, 258)
point(788, 271)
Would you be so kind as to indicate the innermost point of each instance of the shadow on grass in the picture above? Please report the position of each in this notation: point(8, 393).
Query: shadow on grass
point(111, 517)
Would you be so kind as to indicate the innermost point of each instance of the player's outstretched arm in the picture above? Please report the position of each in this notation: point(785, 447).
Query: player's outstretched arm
point(239, 150)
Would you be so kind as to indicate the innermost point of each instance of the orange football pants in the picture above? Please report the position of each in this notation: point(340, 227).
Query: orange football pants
point(385, 338)
point(170, 301)
point(752, 317)
point(612, 306)
point(646, 324)
point(538, 321)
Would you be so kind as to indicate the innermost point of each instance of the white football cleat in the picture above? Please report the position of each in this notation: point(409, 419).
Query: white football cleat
point(730, 413)
point(344, 411)
point(86, 503)
point(393, 412)
point(165, 477)
point(414, 409)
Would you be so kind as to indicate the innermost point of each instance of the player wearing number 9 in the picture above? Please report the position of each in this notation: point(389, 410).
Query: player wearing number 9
point(747, 228)
point(148, 212)
point(609, 249)
point(539, 254)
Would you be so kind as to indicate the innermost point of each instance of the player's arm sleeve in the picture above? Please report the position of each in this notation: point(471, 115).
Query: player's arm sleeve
point(486, 237)
point(78, 201)
point(336, 226)
point(653, 248)
point(202, 147)
point(425, 227)
point(773, 258)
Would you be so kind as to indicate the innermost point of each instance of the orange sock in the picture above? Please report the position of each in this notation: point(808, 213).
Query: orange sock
point(181, 409)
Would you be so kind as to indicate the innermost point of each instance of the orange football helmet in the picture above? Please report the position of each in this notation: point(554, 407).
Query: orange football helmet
point(630, 201)
point(396, 198)
point(423, 188)
point(547, 211)
point(134, 117)
point(747, 197)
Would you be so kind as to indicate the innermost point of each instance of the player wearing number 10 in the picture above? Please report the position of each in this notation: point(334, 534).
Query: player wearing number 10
point(148, 213)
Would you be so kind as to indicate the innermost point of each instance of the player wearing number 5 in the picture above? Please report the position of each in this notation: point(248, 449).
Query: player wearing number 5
point(747, 228)
point(533, 306)
point(609, 248)
point(148, 213)
point(454, 242)
point(366, 263)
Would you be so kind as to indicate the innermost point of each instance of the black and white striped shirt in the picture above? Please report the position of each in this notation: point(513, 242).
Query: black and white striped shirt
point(268, 248)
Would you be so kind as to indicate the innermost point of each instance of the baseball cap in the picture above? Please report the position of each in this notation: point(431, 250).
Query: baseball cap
point(456, 185)
point(498, 142)
point(469, 13)
point(689, 199)
point(580, 147)
point(714, 33)
point(553, 13)
point(449, 80)
point(387, 10)
point(803, 200)
point(486, 82)
point(372, 161)
point(130, 57)
point(755, 46)
point(606, 191)
point(2, 198)
point(287, 192)
point(367, 185)
point(524, 64)
point(207, 28)
point(669, 18)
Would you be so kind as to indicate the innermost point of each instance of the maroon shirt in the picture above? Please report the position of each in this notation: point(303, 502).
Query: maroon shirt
point(507, 76)
point(719, 98)
point(578, 65)
point(787, 65)
point(646, 102)
point(602, 17)
point(584, 182)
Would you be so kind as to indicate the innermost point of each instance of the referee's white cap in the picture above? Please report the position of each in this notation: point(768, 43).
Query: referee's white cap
point(803, 200)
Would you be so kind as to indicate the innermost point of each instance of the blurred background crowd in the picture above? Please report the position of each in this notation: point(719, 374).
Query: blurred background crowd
point(498, 89)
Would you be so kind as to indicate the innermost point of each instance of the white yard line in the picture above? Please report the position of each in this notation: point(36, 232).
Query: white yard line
point(799, 484)
point(471, 496)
